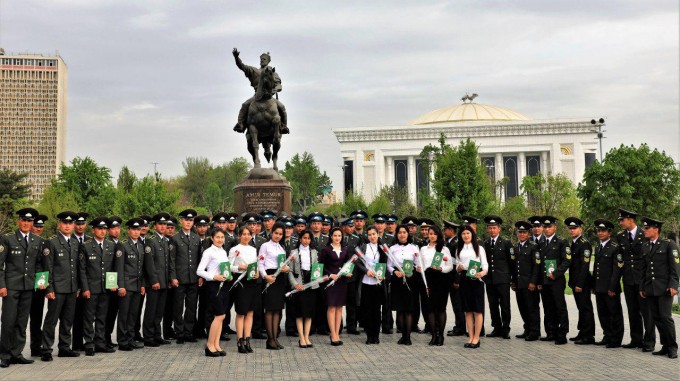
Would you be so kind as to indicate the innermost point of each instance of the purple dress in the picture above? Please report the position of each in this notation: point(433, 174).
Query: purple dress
point(336, 296)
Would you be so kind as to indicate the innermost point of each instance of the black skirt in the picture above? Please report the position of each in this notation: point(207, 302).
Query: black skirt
point(247, 296)
point(471, 294)
point(274, 298)
point(440, 287)
point(305, 301)
point(402, 298)
point(218, 300)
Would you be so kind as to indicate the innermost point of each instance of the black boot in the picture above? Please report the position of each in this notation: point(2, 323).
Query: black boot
point(434, 339)
point(240, 346)
point(249, 349)
point(440, 339)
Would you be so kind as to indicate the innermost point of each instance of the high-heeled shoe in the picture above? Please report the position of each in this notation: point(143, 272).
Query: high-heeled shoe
point(241, 347)
point(222, 353)
point(310, 345)
point(210, 353)
point(440, 340)
point(467, 345)
point(433, 340)
point(300, 344)
point(336, 343)
point(247, 346)
point(278, 345)
point(271, 344)
point(475, 346)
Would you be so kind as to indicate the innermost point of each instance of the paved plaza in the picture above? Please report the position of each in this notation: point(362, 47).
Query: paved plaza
point(495, 359)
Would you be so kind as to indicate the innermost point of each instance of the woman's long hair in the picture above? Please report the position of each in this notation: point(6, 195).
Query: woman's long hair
point(299, 241)
point(440, 238)
point(408, 236)
point(461, 244)
point(330, 236)
point(276, 226)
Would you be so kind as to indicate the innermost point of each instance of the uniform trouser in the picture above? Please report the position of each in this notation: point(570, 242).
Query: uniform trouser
point(128, 306)
point(527, 301)
point(169, 314)
point(371, 301)
point(549, 313)
point(111, 314)
point(640, 320)
point(184, 306)
point(610, 314)
point(559, 306)
point(200, 326)
point(78, 323)
point(94, 322)
point(586, 317)
point(62, 309)
point(16, 307)
point(36, 320)
point(387, 318)
point(351, 308)
point(153, 313)
point(138, 320)
point(661, 307)
point(499, 306)
point(457, 306)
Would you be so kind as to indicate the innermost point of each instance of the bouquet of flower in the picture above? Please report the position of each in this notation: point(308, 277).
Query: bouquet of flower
point(347, 268)
point(308, 285)
point(396, 264)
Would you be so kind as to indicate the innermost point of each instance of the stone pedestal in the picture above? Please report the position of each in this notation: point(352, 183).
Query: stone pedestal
point(263, 188)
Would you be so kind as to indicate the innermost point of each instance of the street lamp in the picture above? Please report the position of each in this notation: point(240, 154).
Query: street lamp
point(599, 131)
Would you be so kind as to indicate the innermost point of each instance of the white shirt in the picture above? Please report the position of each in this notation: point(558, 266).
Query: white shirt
point(401, 253)
point(549, 239)
point(468, 253)
point(634, 231)
point(305, 258)
point(269, 257)
point(427, 254)
point(210, 262)
point(241, 255)
point(372, 256)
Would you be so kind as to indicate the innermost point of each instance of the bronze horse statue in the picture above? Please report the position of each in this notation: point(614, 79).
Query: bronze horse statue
point(264, 120)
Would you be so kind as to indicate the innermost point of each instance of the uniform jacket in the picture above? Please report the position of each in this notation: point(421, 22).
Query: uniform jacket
point(129, 265)
point(579, 268)
point(94, 264)
point(660, 268)
point(184, 257)
point(632, 256)
point(560, 250)
point(63, 265)
point(499, 259)
point(19, 262)
point(527, 264)
point(608, 265)
point(156, 261)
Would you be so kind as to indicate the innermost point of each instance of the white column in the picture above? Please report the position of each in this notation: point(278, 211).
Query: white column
point(359, 173)
point(521, 167)
point(545, 168)
point(556, 158)
point(390, 171)
point(412, 186)
point(579, 163)
point(499, 166)
point(379, 170)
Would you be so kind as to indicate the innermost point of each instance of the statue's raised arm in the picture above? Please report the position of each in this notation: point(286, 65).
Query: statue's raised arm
point(239, 63)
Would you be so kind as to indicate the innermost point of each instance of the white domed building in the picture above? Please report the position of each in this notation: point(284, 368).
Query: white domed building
point(511, 145)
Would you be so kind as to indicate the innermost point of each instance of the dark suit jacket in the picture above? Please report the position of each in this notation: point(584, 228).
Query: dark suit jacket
point(19, 262)
point(94, 264)
point(129, 264)
point(63, 265)
point(632, 256)
point(331, 262)
point(608, 265)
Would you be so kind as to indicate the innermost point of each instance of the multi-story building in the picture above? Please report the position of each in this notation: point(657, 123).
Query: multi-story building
point(33, 90)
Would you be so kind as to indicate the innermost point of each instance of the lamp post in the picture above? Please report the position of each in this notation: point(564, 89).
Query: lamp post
point(600, 132)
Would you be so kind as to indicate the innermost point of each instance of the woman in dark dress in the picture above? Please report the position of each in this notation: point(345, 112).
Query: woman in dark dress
point(471, 288)
point(372, 287)
point(305, 300)
point(274, 297)
point(333, 256)
point(403, 295)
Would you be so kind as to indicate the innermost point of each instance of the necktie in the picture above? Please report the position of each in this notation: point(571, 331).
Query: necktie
point(68, 242)
point(630, 237)
point(101, 247)
point(26, 239)
point(80, 239)
point(601, 247)
point(493, 243)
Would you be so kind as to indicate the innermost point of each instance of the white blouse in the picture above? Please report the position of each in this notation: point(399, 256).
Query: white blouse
point(427, 254)
point(210, 262)
point(372, 256)
point(269, 257)
point(468, 253)
point(241, 255)
point(305, 258)
point(401, 253)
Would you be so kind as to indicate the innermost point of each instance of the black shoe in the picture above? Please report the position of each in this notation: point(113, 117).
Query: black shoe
point(36, 354)
point(522, 336)
point(433, 340)
point(139, 338)
point(4, 363)
point(585, 341)
point(401, 341)
point(475, 346)
point(662, 352)
point(575, 338)
point(163, 342)
point(272, 346)
point(136, 345)
point(466, 345)
point(672, 355)
point(300, 345)
point(153, 344)
point(493, 334)
point(89, 351)
point(440, 340)
point(21, 360)
point(229, 330)
point(531, 338)
point(209, 353)
point(548, 338)
point(191, 339)
point(458, 332)
point(353, 332)
point(46, 357)
point(111, 344)
point(336, 343)
point(631, 345)
point(259, 336)
point(125, 348)
point(601, 342)
point(278, 344)
point(68, 353)
point(104, 350)
point(613, 345)
point(241, 346)
point(225, 337)
point(407, 341)
point(505, 336)
point(388, 331)
point(180, 341)
point(246, 344)
point(648, 349)
point(561, 341)
point(292, 334)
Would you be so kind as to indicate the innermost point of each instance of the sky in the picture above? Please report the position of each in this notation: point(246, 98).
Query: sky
point(155, 81)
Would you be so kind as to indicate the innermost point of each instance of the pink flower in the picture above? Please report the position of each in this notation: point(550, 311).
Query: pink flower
point(237, 253)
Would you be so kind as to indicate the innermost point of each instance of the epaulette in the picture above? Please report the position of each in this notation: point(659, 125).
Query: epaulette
point(354, 235)
point(621, 233)
point(664, 239)
point(122, 241)
point(615, 244)
point(323, 235)
point(52, 237)
point(583, 239)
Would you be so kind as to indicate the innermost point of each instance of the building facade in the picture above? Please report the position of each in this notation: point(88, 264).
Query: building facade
point(511, 145)
point(33, 90)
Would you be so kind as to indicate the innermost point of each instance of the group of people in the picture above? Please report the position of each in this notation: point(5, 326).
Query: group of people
point(190, 273)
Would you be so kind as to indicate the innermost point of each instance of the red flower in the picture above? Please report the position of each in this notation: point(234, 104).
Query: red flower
point(262, 257)
point(445, 259)
point(237, 253)
point(354, 259)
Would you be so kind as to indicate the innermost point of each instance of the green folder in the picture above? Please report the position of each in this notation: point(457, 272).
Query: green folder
point(347, 268)
point(550, 266)
point(42, 279)
point(111, 280)
point(437, 259)
point(407, 265)
point(281, 259)
point(225, 269)
point(473, 268)
point(317, 271)
point(380, 269)
point(252, 271)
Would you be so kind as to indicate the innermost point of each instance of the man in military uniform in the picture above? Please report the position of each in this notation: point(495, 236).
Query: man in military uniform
point(22, 254)
point(659, 283)
point(80, 236)
point(169, 313)
point(183, 266)
point(319, 240)
point(351, 241)
point(360, 217)
point(268, 219)
point(231, 235)
point(201, 225)
point(326, 224)
point(411, 223)
point(129, 265)
point(527, 260)
point(96, 259)
point(580, 281)
point(253, 75)
point(63, 266)
point(391, 225)
point(38, 300)
point(142, 239)
point(608, 265)
point(499, 252)
point(156, 275)
point(115, 223)
point(631, 240)
point(538, 238)
point(555, 259)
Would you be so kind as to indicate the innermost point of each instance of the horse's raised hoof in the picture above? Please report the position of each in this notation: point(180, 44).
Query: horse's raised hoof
point(285, 130)
point(239, 128)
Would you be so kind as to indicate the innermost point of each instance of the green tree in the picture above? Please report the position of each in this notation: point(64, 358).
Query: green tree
point(213, 197)
point(460, 184)
point(85, 179)
point(639, 179)
point(55, 200)
point(550, 195)
point(196, 178)
point(13, 192)
point(126, 180)
point(309, 184)
point(226, 176)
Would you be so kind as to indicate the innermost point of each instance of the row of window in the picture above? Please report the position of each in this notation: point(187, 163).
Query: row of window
point(29, 62)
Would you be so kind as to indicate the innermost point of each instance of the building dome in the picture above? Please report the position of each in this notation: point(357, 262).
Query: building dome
point(470, 112)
